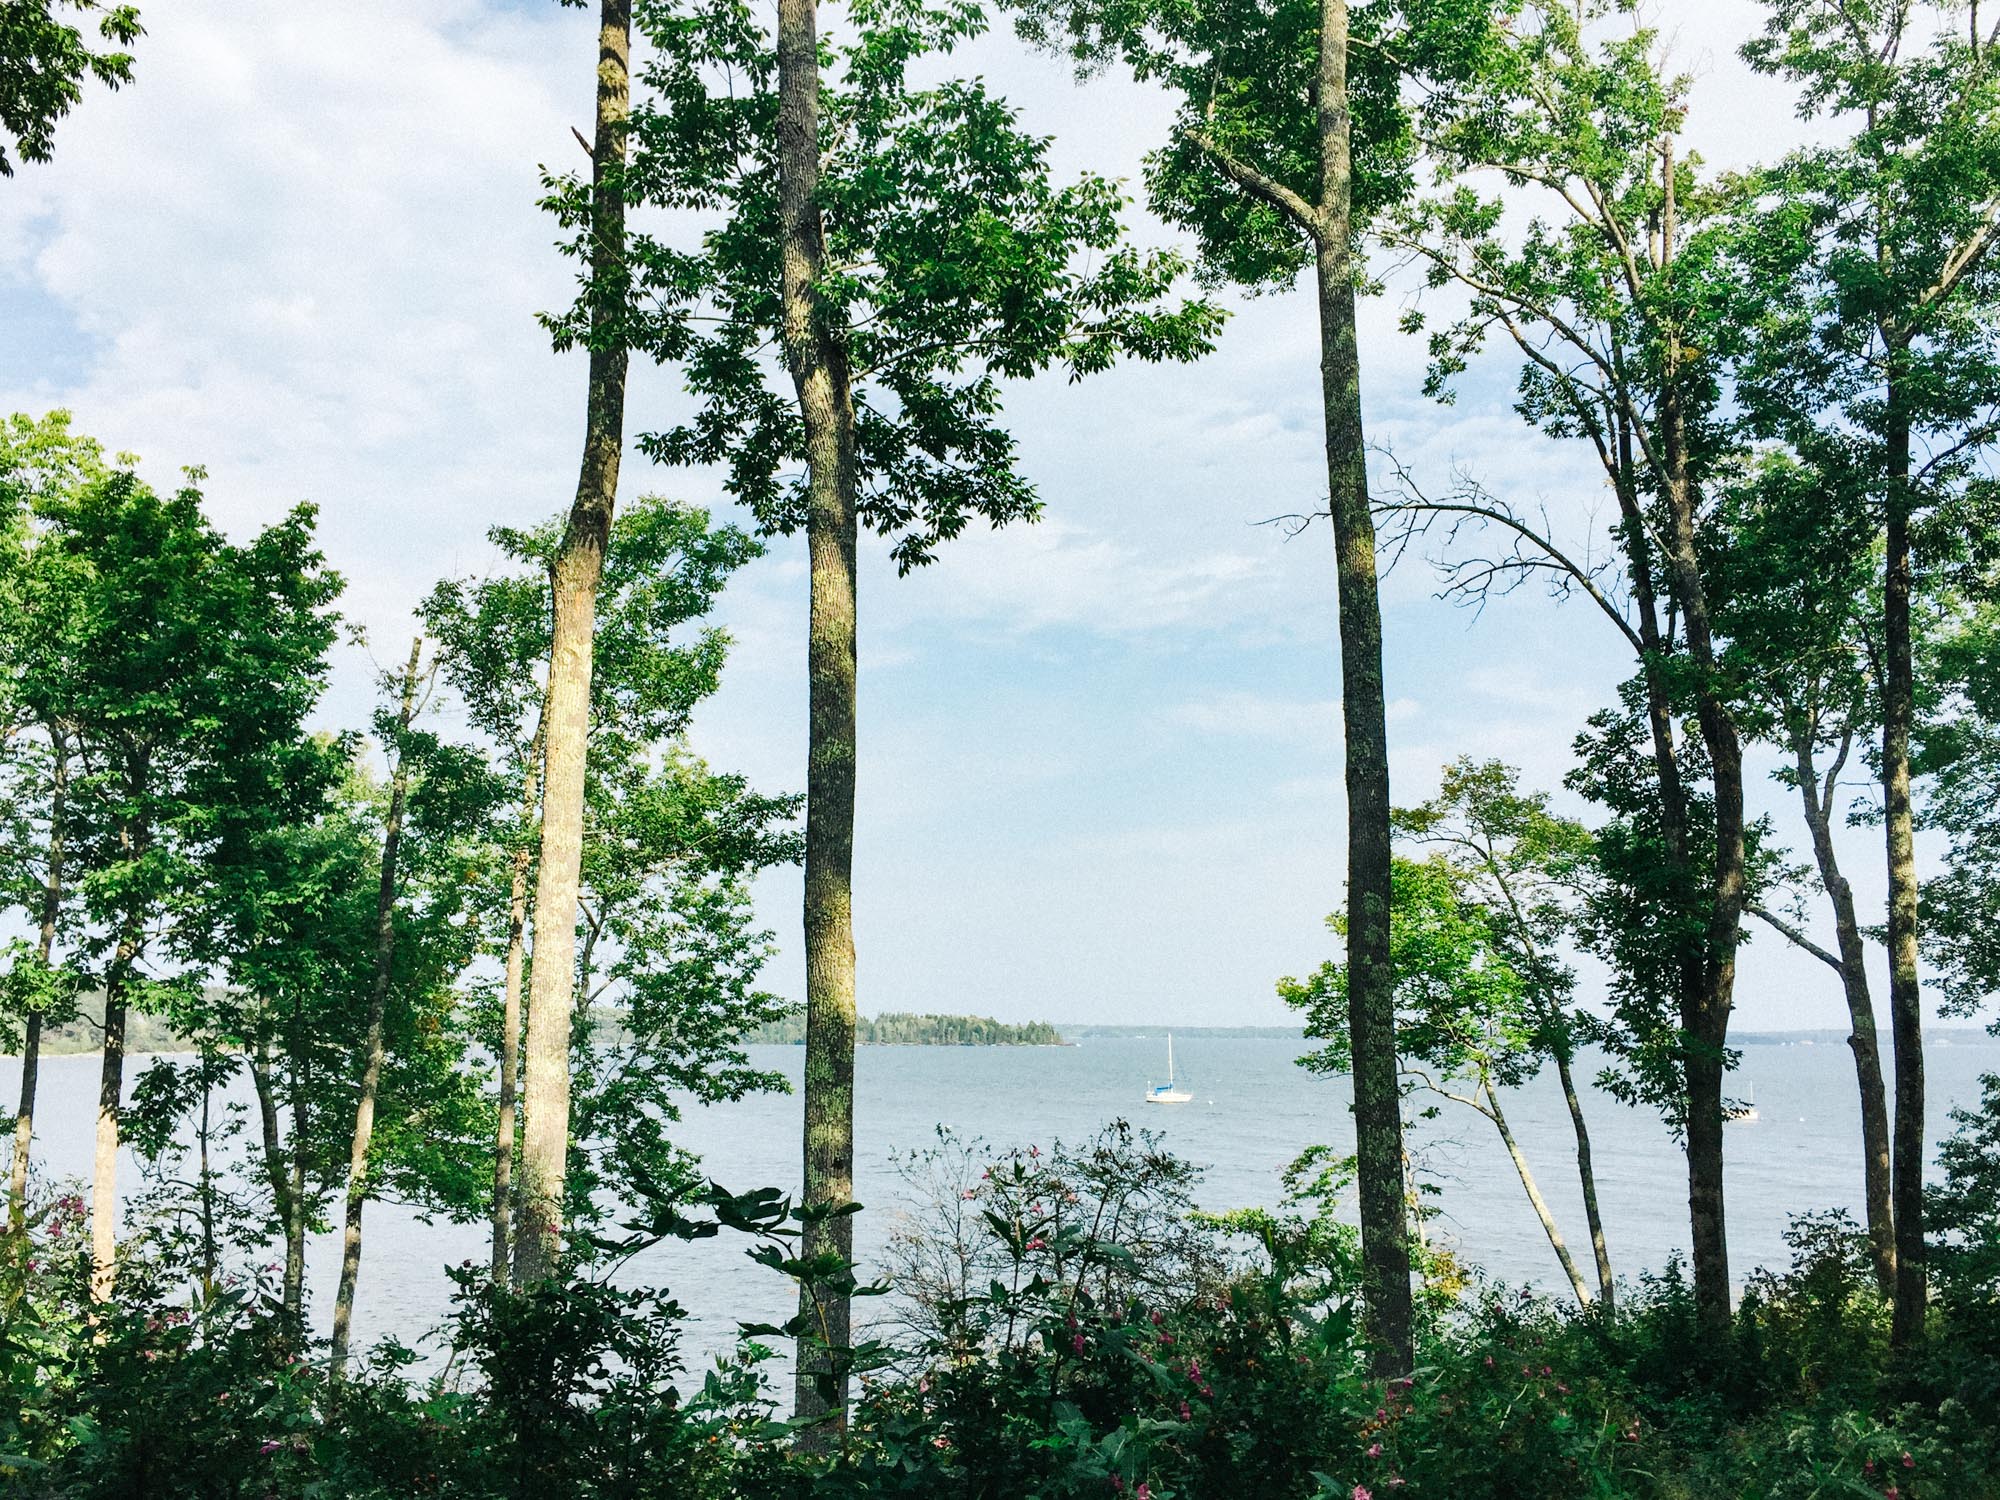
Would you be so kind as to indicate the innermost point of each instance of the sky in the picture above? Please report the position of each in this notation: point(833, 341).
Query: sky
point(1100, 756)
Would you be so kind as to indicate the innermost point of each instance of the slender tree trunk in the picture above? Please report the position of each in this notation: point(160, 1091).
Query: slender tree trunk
point(819, 373)
point(1378, 1119)
point(1586, 1176)
point(578, 566)
point(1498, 1116)
point(372, 1049)
point(110, 1096)
point(207, 1191)
point(1818, 802)
point(1906, 1011)
point(1706, 1024)
point(295, 1189)
point(31, 1038)
point(510, 1022)
point(277, 1175)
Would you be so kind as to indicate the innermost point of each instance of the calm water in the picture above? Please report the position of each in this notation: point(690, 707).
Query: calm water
point(1254, 1110)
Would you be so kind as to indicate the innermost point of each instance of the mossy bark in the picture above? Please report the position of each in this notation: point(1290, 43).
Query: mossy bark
point(1378, 1120)
point(818, 365)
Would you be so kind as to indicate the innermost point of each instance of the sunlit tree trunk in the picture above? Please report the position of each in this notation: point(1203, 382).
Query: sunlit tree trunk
point(578, 566)
point(278, 1176)
point(819, 374)
point(510, 1021)
point(31, 1037)
point(372, 1047)
point(111, 1074)
point(1492, 1110)
point(1586, 1176)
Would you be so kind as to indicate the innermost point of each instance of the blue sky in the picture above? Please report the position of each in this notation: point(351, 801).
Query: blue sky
point(1100, 758)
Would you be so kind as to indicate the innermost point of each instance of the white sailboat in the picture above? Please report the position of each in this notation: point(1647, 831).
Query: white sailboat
point(1166, 1093)
point(1745, 1110)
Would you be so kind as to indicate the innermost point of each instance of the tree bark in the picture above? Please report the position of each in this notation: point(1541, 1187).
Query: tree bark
point(1498, 1116)
point(291, 1215)
point(1378, 1119)
point(1705, 1023)
point(1817, 799)
point(1586, 1175)
point(372, 1048)
point(578, 566)
point(510, 1022)
point(31, 1038)
point(111, 1074)
point(820, 377)
point(1906, 1012)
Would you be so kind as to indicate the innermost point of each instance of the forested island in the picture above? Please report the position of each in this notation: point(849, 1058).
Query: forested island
point(1689, 394)
point(896, 1028)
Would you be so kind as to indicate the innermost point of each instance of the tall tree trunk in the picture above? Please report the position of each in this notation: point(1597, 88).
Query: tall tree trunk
point(207, 1190)
point(1378, 1118)
point(371, 1047)
point(31, 1038)
point(1705, 1024)
point(1586, 1176)
point(297, 1062)
point(1818, 801)
point(510, 1020)
point(578, 566)
point(1906, 1012)
point(132, 840)
point(1498, 1116)
point(110, 1096)
point(818, 367)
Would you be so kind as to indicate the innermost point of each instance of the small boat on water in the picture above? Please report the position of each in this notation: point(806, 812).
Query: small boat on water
point(1745, 1110)
point(1166, 1093)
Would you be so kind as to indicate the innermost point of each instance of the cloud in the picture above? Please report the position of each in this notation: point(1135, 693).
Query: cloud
point(1062, 574)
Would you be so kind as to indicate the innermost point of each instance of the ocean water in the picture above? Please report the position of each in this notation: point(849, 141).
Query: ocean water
point(1254, 1111)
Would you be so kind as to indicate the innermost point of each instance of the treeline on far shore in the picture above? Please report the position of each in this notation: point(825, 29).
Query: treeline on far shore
point(898, 1028)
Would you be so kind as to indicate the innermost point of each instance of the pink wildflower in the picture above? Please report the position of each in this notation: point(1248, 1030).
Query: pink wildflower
point(1374, 1450)
point(1361, 1493)
point(1076, 1342)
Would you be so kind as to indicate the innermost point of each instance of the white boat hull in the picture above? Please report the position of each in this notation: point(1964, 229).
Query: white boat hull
point(1169, 1096)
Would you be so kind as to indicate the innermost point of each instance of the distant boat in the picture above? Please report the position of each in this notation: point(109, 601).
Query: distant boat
point(1166, 1093)
point(1745, 1112)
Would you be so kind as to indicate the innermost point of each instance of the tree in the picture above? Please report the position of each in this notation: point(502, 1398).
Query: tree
point(665, 568)
point(1795, 595)
point(1525, 870)
point(181, 659)
point(1613, 303)
point(395, 734)
point(578, 566)
point(1877, 358)
point(1483, 998)
point(41, 462)
point(1463, 1029)
point(914, 254)
point(1292, 134)
point(43, 63)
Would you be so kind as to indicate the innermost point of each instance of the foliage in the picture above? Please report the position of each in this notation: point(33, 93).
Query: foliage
point(957, 264)
point(44, 61)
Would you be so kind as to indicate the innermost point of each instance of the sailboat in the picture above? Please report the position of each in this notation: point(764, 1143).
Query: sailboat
point(1745, 1111)
point(1166, 1093)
